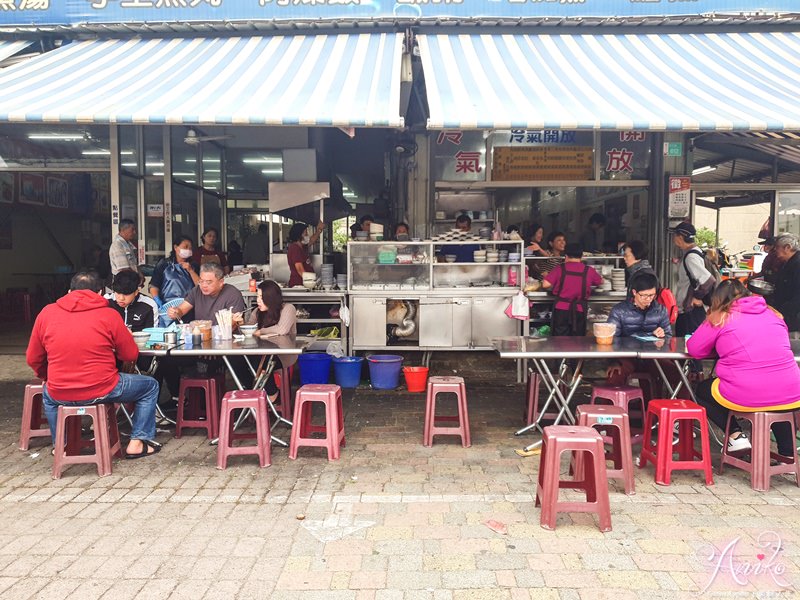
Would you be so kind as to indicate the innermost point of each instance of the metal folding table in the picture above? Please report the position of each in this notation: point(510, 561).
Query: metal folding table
point(279, 345)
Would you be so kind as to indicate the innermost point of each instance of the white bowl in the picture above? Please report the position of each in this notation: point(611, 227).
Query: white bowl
point(141, 338)
point(248, 330)
point(309, 284)
point(451, 258)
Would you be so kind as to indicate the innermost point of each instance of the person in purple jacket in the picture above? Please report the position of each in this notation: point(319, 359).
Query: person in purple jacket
point(756, 370)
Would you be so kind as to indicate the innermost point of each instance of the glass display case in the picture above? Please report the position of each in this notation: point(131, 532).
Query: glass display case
point(381, 266)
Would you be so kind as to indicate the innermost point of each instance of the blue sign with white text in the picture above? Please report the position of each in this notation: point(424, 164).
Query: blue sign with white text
point(68, 12)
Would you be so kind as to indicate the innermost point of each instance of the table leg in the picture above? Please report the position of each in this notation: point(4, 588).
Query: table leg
point(547, 402)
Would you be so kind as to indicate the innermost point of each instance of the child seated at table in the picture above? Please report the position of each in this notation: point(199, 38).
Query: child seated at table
point(572, 285)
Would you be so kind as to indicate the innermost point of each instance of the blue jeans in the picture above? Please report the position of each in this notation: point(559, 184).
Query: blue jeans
point(139, 389)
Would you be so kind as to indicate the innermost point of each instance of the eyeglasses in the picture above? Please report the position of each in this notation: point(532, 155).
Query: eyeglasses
point(645, 296)
point(208, 281)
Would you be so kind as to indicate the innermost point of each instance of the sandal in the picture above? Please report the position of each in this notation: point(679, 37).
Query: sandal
point(146, 445)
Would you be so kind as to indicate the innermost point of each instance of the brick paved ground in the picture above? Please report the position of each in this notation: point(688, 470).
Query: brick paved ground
point(390, 520)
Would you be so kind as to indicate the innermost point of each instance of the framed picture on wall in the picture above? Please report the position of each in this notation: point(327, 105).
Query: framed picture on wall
point(31, 189)
point(7, 187)
point(57, 192)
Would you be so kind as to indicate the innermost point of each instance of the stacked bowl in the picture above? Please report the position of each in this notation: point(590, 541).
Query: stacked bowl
point(618, 280)
point(479, 256)
point(341, 280)
point(326, 276)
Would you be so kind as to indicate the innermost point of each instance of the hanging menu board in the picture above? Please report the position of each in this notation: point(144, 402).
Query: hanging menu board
point(544, 163)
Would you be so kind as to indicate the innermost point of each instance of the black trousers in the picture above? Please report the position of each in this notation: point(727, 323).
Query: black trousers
point(569, 322)
point(718, 415)
point(688, 322)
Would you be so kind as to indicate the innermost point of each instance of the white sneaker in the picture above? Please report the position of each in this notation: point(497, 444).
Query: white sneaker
point(737, 444)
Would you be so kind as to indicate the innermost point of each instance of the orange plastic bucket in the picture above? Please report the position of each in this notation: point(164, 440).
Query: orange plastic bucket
point(416, 378)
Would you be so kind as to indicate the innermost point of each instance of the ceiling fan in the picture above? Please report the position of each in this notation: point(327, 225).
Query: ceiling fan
point(192, 138)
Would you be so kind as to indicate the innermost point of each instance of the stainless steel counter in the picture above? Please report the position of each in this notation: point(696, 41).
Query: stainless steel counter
point(586, 347)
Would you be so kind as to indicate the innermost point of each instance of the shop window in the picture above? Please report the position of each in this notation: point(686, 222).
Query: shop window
point(789, 212)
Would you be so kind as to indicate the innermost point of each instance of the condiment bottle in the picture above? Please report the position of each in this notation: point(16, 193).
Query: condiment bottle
point(197, 337)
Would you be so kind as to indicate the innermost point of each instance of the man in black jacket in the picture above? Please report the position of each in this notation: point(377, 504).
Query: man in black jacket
point(786, 298)
point(135, 312)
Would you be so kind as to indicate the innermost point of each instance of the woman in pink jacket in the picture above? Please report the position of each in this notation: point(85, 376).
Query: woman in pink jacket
point(756, 370)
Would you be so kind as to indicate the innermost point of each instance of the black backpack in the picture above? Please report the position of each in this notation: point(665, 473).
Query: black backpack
point(709, 266)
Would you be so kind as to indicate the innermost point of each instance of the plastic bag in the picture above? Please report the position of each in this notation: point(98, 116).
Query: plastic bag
point(344, 315)
point(335, 349)
point(519, 307)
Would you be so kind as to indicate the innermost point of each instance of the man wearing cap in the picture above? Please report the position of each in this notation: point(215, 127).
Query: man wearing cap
point(786, 298)
point(695, 281)
point(772, 262)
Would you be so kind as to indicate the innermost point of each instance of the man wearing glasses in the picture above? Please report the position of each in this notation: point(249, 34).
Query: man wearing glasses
point(212, 294)
point(641, 316)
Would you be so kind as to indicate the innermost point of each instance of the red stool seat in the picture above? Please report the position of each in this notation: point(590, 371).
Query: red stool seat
point(443, 385)
point(255, 400)
point(593, 479)
point(68, 445)
point(669, 412)
point(761, 454)
point(187, 417)
point(283, 379)
point(331, 396)
point(622, 396)
point(34, 424)
point(613, 420)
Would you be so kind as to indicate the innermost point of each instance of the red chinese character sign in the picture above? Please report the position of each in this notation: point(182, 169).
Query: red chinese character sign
point(680, 197)
point(625, 155)
point(459, 156)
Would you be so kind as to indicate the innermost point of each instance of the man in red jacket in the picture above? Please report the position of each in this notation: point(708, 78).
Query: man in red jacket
point(74, 348)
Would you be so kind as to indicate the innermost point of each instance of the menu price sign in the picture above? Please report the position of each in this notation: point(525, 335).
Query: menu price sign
point(680, 196)
point(542, 163)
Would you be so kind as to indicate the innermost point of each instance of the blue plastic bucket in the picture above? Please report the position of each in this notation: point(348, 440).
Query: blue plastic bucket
point(315, 367)
point(347, 371)
point(384, 371)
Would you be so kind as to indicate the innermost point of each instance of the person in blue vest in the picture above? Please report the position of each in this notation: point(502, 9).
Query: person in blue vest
point(464, 253)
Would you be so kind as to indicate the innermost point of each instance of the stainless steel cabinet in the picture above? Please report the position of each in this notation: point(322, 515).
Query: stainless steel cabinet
point(462, 322)
point(436, 322)
point(368, 321)
point(489, 320)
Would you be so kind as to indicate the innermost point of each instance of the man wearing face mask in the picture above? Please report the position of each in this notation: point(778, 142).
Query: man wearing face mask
point(297, 252)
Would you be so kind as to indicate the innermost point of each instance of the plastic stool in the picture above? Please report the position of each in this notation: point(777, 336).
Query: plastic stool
point(245, 400)
point(34, 424)
point(621, 396)
point(759, 466)
point(532, 393)
point(668, 412)
point(331, 396)
point(210, 387)
point(442, 385)
point(613, 417)
point(106, 438)
point(583, 440)
point(650, 386)
point(283, 380)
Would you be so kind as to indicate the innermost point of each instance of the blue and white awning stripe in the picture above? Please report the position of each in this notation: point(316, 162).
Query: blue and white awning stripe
point(348, 80)
point(686, 81)
point(8, 48)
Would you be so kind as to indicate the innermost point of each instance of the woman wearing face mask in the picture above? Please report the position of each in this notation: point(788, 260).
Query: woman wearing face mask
point(209, 251)
point(297, 252)
point(175, 275)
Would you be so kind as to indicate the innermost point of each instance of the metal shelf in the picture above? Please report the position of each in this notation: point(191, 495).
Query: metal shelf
point(474, 264)
point(318, 320)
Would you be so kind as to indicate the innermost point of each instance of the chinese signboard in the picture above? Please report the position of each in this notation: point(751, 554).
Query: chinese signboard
point(40, 12)
point(680, 196)
point(459, 156)
point(625, 155)
point(542, 163)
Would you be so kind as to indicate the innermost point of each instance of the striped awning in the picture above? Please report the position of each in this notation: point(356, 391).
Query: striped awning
point(8, 48)
point(348, 80)
point(686, 81)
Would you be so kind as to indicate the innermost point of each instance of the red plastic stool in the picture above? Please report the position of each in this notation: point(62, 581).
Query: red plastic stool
point(331, 396)
point(622, 396)
point(34, 424)
point(668, 412)
point(244, 400)
point(614, 419)
point(210, 388)
point(759, 466)
point(106, 438)
point(577, 440)
point(532, 393)
point(442, 385)
point(283, 379)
